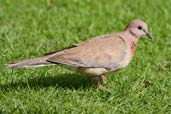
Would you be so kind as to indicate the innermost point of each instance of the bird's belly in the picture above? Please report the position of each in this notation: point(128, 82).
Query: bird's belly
point(95, 71)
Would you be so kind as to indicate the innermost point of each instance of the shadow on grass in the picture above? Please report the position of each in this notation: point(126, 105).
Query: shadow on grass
point(71, 81)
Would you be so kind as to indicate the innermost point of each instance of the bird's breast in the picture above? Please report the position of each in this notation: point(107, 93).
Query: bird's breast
point(129, 54)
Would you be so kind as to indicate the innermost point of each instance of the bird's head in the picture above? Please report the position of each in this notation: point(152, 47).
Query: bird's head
point(138, 28)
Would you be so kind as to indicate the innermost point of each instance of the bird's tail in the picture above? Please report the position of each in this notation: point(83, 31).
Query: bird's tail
point(35, 62)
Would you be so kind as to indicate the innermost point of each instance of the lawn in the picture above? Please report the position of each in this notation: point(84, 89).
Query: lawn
point(30, 28)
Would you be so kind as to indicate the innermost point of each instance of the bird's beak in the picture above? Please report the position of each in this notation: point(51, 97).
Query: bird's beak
point(148, 35)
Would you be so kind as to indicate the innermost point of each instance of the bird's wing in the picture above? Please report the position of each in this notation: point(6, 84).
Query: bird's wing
point(74, 45)
point(100, 52)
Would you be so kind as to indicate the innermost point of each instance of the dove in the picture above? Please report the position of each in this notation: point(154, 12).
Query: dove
point(96, 56)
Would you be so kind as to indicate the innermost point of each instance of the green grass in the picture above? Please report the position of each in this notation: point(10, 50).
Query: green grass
point(30, 28)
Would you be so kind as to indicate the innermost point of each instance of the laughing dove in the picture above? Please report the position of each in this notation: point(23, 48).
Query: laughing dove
point(97, 56)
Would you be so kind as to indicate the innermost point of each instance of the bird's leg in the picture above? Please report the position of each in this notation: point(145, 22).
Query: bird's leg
point(103, 79)
point(97, 81)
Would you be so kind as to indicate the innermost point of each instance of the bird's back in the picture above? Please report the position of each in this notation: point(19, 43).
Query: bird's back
point(93, 53)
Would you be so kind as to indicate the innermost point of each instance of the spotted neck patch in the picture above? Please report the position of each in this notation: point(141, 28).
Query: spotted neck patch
point(133, 47)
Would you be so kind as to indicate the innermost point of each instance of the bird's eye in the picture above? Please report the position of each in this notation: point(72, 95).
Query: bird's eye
point(139, 27)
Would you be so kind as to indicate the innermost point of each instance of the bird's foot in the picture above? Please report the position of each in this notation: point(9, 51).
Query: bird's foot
point(99, 81)
point(103, 80)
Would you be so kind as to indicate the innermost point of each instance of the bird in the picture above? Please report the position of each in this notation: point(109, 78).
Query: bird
point(97, 56)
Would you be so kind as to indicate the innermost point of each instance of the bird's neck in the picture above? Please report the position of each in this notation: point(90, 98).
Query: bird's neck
point(130, 37)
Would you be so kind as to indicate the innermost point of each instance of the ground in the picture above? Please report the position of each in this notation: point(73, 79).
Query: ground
point(30, 28)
